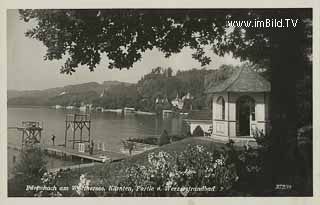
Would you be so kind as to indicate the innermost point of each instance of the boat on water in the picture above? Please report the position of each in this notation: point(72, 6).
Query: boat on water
point(145, 113)
point(113, 110)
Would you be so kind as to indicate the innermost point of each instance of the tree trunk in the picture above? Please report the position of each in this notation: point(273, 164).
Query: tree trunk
point(286, 65)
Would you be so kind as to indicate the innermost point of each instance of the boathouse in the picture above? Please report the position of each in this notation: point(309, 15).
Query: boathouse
point(240, 104)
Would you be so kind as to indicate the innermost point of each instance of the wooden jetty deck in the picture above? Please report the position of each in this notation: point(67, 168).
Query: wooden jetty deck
point(97, 156)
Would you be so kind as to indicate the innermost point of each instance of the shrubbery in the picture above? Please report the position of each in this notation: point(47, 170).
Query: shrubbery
point(167, 174)
point(164, 138)
point(196, 167)
point(28, 171)
point(146, 140)
point(186, 129)
point(198, 132)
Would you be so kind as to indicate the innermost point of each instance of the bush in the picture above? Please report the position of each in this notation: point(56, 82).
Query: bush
point(28, 171)
point(198, 132)
point(195, 167)
point(174, 138)
point(204, 168)
point(59, 179)
point(146, 140)
point(305, 156)
point(186, 129)
point(164, 138)
point(251, 169)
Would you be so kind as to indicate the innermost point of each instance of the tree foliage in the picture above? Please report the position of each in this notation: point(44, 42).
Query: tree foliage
point(118, 96)
point(28, 170)
point(123, 35)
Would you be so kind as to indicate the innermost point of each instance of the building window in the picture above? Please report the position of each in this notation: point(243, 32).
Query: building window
point(221, 108)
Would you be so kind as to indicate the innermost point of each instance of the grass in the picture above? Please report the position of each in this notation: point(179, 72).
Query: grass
point(155, 140)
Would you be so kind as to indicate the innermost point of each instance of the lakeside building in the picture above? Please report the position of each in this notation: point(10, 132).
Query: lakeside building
point(240, 105)
point(85, 107)
point(129, 110)
point(99, 109)
point(166, 113)
point(161, 100)
point(180, 102)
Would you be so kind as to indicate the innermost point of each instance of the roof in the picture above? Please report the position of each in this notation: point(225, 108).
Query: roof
point(200, 115)
point(242, 79)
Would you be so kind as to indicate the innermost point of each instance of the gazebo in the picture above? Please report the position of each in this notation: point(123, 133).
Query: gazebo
point(240, 105)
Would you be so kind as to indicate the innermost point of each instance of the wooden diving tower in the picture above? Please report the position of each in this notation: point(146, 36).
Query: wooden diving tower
point(77, 122)
point(31, 133)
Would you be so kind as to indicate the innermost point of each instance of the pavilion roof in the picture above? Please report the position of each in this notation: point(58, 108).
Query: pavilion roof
point(242, 79)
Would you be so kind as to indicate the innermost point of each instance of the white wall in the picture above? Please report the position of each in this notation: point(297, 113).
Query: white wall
point(228, 126)
point(204, 125)
point(220, 127)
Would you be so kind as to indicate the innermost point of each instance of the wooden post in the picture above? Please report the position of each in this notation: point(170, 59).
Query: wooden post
point(89, 131)
point(81, 126)
point(228, 116)
point(74, 134)
point(66, 132)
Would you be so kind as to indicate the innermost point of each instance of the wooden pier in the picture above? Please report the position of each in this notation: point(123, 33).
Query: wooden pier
point(69, 153)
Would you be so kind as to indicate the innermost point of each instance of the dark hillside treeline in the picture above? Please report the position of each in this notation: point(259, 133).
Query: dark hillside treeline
point(160, 83)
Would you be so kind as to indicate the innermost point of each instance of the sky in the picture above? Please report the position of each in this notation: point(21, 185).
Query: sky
point(26, 69)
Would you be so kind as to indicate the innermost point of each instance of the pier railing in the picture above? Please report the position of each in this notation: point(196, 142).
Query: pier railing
point(78, 117)
point(28, 124)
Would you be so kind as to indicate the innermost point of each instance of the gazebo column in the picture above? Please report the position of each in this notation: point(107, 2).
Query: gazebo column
point(228, 114)
point(213, 115)
point(260, 112)
point(231, 115)
point(266, 117)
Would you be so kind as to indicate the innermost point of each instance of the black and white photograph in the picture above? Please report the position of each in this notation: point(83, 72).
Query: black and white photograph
point(159, 102)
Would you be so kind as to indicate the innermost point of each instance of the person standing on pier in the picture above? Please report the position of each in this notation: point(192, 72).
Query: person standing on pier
point(91, 147)
point(53, 138)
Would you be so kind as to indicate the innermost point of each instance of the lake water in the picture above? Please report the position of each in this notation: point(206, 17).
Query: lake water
point(106, 127)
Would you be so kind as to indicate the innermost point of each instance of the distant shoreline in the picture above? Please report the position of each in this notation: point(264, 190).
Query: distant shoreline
point(138, 112)
point(28, 106)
